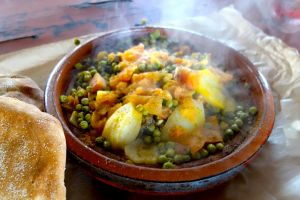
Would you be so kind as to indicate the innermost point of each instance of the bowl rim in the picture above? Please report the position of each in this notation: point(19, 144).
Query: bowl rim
point(232, 160)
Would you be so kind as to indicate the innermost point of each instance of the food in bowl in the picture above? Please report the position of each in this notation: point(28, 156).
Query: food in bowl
point(157, 103)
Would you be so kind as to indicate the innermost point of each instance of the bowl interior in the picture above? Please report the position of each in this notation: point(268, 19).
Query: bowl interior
point(248, 143)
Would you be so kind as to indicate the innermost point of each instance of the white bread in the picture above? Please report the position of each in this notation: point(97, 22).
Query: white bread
point(22, 88)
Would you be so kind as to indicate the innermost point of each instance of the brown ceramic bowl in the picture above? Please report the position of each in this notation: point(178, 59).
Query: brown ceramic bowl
point(195, 175)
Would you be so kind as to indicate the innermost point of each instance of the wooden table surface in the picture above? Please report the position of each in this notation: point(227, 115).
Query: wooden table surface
point(27, 23)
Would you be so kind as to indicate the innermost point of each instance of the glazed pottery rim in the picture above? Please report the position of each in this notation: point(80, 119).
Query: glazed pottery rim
point(238, 157)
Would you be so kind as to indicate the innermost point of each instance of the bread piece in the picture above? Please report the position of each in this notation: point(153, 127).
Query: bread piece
point(32, 153)
point(22, 88)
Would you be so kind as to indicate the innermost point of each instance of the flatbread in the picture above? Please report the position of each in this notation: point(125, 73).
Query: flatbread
point(22, 88)
point(32, 153)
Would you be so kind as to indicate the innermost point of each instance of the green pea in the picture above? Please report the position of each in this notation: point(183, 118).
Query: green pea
point(87, 77)
point(81, 92)
point(244, 116)
point(91, 68)
point(78, 107)
point(106, 144)
point(116, 68)
point(170, 144)
point(84, 124)
point(170, 152)
point(85, 109)
point(168, 165)
point(81, 114)
point(145, 112)
point(76, 41)
point(186, 158)
point(228, 114)
point(93, 72)
point(148, 139)
point(253, 110)
point(204, 153)
point(156, 133)
point(220, 146)
point(178, 158)
point(196, 156)
point(162, 159)
point(151, 127)
point(87, 117)
point(142, 67)
point(156, 139)
point(78, 66)
point(85, 101)
point(235, 128)
point(169, 103)
point(211, 148)
point(84, 85)
point(239, 122)
point(161, 145)
point(100, 140)
point(73, 91)
point(175, 103)
point(89, 88)
point(103, 63)
point(79, 83)
point(63, 99)
point(156, 66)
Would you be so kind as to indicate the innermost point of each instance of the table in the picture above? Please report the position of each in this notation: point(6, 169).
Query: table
point(27, 23)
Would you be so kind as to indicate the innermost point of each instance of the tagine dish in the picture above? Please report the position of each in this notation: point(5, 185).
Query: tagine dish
point(164, 110)
point(158, 103)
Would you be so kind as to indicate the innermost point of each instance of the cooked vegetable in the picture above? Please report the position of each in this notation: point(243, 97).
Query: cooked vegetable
point(97, 83)
point(253, 110)
point(220, 146)
point(187, 117)
point(157, 101)
point(140, 153)
point(123, 126)
point(211, 148)
point(168, 165)
point(208, 84)
point(76, 41)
